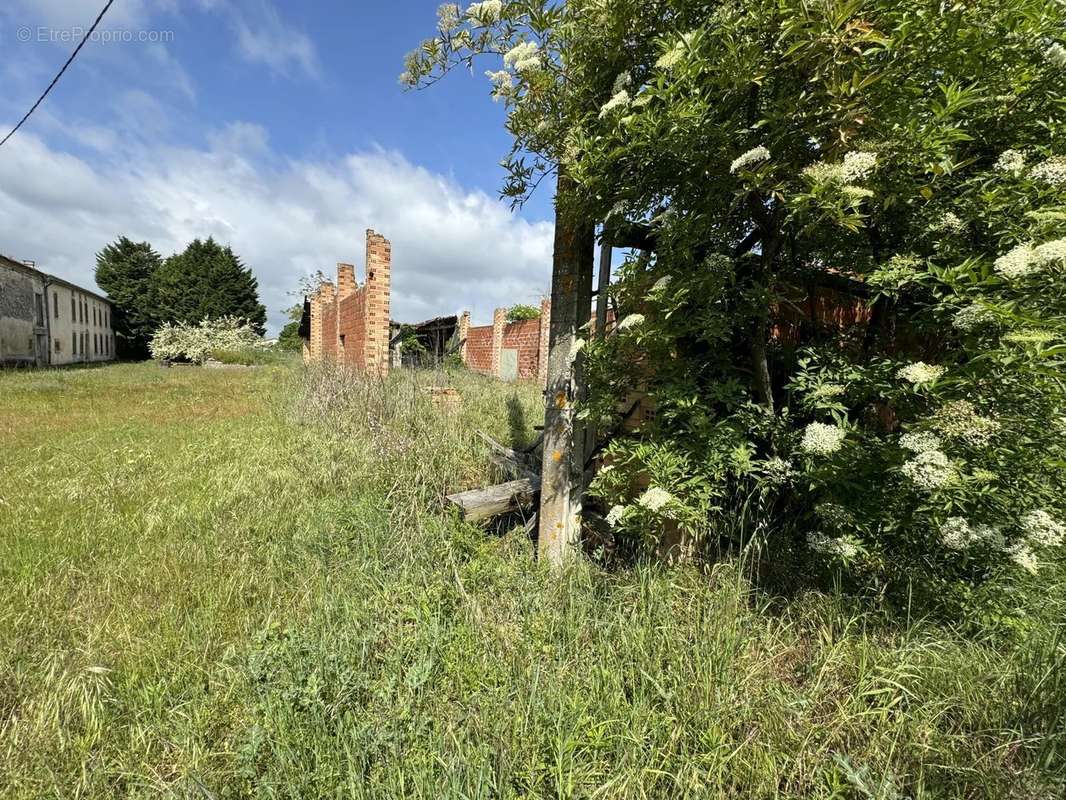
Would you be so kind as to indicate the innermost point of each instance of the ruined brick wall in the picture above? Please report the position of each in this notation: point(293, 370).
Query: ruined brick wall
point(524, 336)
point(349, 322)
point(479, 349)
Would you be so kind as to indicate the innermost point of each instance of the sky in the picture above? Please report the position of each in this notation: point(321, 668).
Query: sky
point(278, 127)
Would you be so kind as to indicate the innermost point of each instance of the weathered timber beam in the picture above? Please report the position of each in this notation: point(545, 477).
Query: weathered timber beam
point(480, 504)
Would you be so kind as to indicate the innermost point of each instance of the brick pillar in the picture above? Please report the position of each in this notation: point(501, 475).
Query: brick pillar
point(499, 322)
point(378, 292)
point(345, 280)
point(545, 325)
point(327, 294)
point(313, 351)
point(464, 332)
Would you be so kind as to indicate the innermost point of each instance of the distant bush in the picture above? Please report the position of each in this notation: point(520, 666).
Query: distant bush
point(519, 312)
point(256, 357)
point(195, 343)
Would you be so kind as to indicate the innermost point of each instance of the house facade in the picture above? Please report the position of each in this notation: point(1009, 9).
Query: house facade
point(47, 321)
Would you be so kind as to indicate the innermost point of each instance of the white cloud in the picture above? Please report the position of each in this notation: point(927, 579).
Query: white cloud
point(453, 248)
point(264, 38)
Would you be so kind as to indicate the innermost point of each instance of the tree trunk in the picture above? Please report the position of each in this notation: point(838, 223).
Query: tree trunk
point(564, 452)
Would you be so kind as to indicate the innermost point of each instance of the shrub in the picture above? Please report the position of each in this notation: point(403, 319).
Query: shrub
point(195, 343)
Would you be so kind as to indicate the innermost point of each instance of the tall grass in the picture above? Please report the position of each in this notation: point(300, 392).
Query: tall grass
point(224, 583)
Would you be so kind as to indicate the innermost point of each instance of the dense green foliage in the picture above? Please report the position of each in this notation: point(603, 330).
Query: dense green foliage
point(289, 338)
point(521, 311)
point(256, 595)
point(797, 164)
point(207, 281)
point(124, 272)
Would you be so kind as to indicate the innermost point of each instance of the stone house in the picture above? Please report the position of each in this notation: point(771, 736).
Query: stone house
point(47, 321)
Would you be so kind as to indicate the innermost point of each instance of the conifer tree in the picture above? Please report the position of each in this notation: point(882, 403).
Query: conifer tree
point(125, 270)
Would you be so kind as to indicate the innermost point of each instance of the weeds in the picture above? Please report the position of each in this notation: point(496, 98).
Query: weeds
point(242, 584)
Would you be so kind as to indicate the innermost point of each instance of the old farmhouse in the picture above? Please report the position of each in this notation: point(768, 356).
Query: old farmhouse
point(47, 321)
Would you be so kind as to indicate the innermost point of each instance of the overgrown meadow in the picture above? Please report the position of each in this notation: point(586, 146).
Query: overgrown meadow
point(241, 583)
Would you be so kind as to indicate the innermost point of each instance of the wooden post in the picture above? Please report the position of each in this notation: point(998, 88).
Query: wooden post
point(603, 282)
point(564, 452)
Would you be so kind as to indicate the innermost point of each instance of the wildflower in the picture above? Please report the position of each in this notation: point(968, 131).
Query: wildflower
point(623, 81)
point(1021, 555)
point(524, 57)
point(820, 543)
point(972, 317)
point(614, 516)
point(1011, 162)
point(821, 439)
point(822, 172)
point(858, 166)
point(631, 321)
point(1056, 55)
point(855, 194)
point(929, 470)
point(989, 536)
point(1043, 530)
point(655, 499)
point(836, 516)
point(448, 16)
point(920, 372)
point(753, 156)
point(959, 420)
point(919, 442)
point(486, 12)
point(828, 390)
point(620, 99)
point(1052, 171)
point(1017, 263)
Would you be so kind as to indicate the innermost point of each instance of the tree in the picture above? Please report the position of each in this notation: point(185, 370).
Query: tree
point(125, 270)
point(207, 281)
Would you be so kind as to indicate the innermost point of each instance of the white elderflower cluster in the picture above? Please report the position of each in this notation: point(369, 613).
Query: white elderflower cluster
point(448, 16)
point(623, 81)
point(950, 222)
point(674, 56)
point(959, 420)
point(655, 499)
point(485, 13)
point(662, 284)
point(919, 442)
point(196, 343)
point(631, 321)
point(854, 195)
point(1050, 252)
point(972, 317)
point(778, 471)
point(920, 372)
point(929, 470)
point(823, 172)
point(754, 156)
point(614, 516)
point(1016, 263)
point(1056, 55)
point(1029, 336)
point(523, 57)
point(957, 534)
point(620, 100)
point(1051, 172)
point(827, 391)
point(858, 166)
point(820, 543)
point(1022, 555)
point(1011, 161)
point(821, 439)
point(1043, 530)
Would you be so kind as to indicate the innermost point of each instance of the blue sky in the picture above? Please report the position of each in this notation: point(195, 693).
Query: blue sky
point(277, 126)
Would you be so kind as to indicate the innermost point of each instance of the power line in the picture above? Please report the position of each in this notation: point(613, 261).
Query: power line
point(55, 80)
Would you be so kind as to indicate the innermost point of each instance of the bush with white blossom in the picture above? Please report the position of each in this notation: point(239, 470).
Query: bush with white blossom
point(196, 343)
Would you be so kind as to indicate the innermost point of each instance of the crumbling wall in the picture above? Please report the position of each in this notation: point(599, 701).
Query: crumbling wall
point(478, 351)
point(350, 323)
point(484, 345)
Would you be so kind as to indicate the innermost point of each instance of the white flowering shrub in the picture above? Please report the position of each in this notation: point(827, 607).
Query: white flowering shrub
point(196, 343)
point(859, 354)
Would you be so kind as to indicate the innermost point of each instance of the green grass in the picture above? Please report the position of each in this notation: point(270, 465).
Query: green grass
point(240, 583)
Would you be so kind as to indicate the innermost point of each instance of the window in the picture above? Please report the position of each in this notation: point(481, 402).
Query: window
point(73, 312)
point(39, 298)
point(57, 346)
point(55, 309)
point(74, 346)
point(96, 345)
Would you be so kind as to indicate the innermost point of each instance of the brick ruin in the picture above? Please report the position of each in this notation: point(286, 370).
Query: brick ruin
point(348, 323)
point(507, 350)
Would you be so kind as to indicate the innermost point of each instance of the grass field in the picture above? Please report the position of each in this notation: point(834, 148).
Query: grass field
point(240, 583)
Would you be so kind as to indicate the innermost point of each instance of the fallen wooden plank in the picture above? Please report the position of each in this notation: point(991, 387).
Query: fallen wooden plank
point(479, 504)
